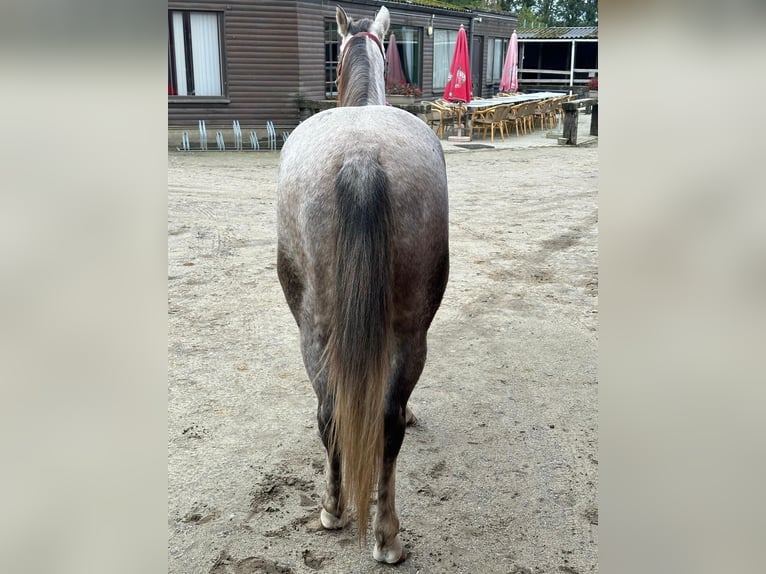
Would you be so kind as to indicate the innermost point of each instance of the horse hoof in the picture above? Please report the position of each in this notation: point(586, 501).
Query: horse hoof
point(409, 417)
point(331, 522)
point(390, 554)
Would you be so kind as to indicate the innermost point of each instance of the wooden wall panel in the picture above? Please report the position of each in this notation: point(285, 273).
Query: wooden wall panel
point(274, 51)
point(260, 67)
point(311, 17)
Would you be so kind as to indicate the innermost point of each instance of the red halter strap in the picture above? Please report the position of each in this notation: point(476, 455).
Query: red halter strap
point(359, 34)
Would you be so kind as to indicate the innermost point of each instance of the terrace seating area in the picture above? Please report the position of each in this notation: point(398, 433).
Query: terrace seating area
point(502, 115)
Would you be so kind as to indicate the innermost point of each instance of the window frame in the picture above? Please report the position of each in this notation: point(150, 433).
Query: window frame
point(331, 48)
point(332, 44)
point(435, 88)
point(490, 80)
point(417, 53)
point(224, 84)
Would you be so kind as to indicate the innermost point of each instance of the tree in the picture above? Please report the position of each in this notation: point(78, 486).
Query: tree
point(536, 13)
point(574, 13)
point(528, 19)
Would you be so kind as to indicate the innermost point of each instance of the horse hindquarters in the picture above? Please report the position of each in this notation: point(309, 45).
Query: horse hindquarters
point(393, 197)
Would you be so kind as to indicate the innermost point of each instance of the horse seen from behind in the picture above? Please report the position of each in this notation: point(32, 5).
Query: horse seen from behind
point(363, 261)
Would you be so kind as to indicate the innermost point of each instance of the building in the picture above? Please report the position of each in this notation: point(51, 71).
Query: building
point(255, 61)
point(557, 58)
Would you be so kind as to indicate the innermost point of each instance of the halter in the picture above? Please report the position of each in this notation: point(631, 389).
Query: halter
point(345, 48)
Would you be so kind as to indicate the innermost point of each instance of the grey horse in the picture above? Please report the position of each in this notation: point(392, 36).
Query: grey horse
point(363, 260)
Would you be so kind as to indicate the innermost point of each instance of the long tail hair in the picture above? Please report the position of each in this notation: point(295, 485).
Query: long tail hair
point(360, 337)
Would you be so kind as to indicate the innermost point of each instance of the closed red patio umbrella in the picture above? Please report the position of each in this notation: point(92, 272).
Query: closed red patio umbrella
point(394, 71)
point(509, 82)
point(458, 88)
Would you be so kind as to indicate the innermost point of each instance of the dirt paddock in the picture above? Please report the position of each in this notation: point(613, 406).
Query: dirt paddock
point(500, 473)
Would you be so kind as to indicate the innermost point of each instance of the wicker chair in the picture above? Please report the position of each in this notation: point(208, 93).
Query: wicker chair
point(515, 118)
point(478, 114)
point(489, 119)
point(441, 118)
point(544, 113)
point(526, 116)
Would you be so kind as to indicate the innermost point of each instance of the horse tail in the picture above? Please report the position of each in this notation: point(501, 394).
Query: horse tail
point(361, 332)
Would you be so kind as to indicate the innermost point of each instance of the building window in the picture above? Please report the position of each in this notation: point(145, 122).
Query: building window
point(496, 59)
point(444, 46)
point(408, 42)
point(194, 53)
point(330, 58)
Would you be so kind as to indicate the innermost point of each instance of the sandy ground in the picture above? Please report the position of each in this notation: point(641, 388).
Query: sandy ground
point(500, 474)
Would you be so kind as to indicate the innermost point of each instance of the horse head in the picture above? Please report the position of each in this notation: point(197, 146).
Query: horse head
point(361, 63)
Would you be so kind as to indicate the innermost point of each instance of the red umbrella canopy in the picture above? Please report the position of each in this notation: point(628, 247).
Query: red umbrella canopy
point(509, 80)
point(394, 71)
point(458, 88)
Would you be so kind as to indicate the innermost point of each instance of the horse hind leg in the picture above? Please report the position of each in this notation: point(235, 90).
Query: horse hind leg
point(332, 516)
point(410, 417)
point(313, 341)
point(411, 357)
point(388, 545)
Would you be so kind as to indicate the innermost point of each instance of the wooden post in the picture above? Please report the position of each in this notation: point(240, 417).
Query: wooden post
point(571, 65)
point(570, 122)
point(594, 119)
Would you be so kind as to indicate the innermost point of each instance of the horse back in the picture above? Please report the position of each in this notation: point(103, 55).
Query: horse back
point(412, 159)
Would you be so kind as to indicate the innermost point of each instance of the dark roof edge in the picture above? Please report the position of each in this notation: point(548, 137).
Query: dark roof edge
point(501, 15)
point(421, 8)
point(559, 33)
point(415, 7)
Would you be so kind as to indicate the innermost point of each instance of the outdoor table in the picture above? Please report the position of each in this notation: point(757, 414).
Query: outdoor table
point(517, 99)
point(478, 104)
point(461, 107)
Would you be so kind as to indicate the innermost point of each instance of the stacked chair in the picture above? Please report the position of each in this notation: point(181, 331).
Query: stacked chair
point(441, 118)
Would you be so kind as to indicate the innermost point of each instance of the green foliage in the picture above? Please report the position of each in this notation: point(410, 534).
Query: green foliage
point(528, 19)
point(532, 13)
point(450, 4)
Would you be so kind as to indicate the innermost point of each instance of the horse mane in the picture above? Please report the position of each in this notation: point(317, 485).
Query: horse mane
point(357, 26)
point(356, 93)
point(354, 59)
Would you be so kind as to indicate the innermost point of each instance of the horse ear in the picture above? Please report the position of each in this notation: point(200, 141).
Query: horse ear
point(381, 23)
point(343, 21)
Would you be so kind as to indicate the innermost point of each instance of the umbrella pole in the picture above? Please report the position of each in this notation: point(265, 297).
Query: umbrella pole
point(459, 137)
